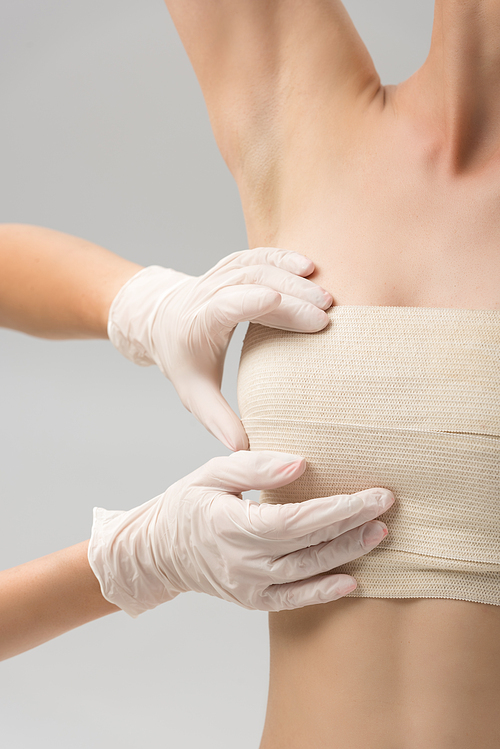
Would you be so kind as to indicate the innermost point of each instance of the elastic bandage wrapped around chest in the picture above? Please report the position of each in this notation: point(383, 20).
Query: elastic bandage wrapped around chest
point(406, 398)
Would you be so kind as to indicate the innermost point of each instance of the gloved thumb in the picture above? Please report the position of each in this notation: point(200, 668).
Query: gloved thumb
point(234, 304)
point(243, 471)
point(206, 402)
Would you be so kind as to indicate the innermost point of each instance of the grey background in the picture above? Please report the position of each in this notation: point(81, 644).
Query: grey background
point(104, 134)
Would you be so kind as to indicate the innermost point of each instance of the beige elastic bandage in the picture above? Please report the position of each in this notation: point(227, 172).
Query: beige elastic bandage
point(406, 398)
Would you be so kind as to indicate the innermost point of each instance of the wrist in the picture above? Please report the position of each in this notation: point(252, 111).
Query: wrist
point(132, 311)
point(111, 287)
point(120, 556)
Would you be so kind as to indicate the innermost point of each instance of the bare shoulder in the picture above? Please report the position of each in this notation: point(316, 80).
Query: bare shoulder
point(266, 65)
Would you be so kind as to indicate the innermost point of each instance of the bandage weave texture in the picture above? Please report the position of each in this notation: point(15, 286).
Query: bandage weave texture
point(407, 398)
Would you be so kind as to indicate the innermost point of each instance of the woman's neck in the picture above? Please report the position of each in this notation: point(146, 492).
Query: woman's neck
point(457, 89)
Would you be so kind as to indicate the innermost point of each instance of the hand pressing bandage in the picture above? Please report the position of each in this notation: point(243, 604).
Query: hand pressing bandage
point(201, 536)
point(184, 323)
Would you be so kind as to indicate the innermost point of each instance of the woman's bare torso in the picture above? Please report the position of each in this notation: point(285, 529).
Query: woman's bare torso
point(394, 209)
point(387, 224)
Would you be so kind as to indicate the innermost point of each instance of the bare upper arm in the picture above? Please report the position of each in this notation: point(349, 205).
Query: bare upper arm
point(263, 64)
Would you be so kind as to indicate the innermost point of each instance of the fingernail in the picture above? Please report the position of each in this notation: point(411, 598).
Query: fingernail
point(317, 320)
point(303, 264)
point(373, 533)
point(291, 464)
point(385, 498)
point(349, 589)
point(382, 497)
point(287, 458)
point(325, 299)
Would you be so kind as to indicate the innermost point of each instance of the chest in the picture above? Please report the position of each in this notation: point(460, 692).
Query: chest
point(385, 224)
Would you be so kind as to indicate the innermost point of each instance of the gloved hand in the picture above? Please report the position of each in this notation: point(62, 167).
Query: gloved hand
point(184, 323)
point(200, 535)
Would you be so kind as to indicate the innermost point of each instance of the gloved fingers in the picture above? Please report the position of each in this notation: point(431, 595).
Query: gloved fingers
point(231, 305)
point(234, 304)
point(300, 524)
point(280, 280)
point(205, 401)
point(374, 506)
point(306, 592)
point(286, 259)
point(295, 315)
point(326, 556)
point(243, 471)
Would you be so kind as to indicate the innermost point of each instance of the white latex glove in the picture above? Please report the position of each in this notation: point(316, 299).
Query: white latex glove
point(200, 535)
point(184, 323)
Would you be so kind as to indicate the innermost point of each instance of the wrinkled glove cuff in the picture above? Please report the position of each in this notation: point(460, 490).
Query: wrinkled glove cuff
point(126, 574)
point(133, 310)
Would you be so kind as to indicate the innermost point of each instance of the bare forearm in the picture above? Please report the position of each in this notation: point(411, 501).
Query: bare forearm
point(44, 598)
point(55, 285)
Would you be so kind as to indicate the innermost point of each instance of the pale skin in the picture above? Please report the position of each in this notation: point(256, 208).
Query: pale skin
point(46, 597)
point(394, 192)
point(53, 285)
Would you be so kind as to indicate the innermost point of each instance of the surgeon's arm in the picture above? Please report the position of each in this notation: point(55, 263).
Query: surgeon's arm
point(44, 598)
point(54, 285)
point(199, 535)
